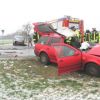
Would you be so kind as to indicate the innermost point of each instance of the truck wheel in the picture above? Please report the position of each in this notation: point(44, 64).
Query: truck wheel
point(44, 59)
point(93, 69)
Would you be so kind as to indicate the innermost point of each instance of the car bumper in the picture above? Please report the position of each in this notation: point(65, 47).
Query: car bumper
point(18, 43)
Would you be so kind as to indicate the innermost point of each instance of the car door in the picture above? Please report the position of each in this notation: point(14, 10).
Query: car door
point(68, 58)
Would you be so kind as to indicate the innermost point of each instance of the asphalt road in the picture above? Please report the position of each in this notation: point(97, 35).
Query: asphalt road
point(16, 52)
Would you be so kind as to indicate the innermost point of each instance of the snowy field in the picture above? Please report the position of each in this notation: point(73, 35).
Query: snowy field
point(29, 80)
point(6, 41)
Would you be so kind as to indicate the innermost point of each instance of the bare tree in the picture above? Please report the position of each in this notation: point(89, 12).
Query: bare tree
point(27, 28)
point(19, 31)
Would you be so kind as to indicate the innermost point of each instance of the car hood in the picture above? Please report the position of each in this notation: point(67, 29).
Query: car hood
point(95, 50)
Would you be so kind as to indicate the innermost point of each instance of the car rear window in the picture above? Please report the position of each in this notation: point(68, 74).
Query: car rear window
point(45, 28)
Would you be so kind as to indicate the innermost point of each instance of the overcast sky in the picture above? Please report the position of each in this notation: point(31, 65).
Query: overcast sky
point(15, 13)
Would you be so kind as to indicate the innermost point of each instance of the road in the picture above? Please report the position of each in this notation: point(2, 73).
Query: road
point(16, 52)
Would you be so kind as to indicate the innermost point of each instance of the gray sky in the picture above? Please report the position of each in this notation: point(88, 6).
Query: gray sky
point(15, 13)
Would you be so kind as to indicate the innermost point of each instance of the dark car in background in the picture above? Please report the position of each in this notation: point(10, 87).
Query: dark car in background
point(19, 40)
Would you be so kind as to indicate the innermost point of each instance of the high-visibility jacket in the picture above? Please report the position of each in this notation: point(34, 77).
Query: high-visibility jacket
point(77, 33)
point(99, 37)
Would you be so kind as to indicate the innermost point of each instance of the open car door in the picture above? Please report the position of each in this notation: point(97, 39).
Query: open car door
point(69, 59)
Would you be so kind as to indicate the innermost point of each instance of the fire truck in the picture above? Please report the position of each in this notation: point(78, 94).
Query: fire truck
point(51, 27)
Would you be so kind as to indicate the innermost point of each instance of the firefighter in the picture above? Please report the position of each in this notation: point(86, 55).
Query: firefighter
point(87, 35)
point(73, 28)
point(99, 37)
point(94, 34)
point(77, 32)
point(75, 42)
point(29, 41)
point(35, 37)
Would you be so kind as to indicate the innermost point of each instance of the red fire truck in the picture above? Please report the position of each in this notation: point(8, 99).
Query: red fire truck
point(51, 27)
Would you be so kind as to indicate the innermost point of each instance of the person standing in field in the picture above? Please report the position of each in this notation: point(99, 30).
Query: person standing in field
point(29, 41)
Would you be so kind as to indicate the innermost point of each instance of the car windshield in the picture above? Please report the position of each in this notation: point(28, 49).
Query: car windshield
point(46, 28)
point(19, 36)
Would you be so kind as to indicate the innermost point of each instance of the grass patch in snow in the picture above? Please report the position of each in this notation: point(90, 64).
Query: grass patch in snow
point(71, 83)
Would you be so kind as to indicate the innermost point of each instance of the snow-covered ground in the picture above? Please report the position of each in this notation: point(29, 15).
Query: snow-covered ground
point(16, 52)
point(29, 80)
point(18, 81)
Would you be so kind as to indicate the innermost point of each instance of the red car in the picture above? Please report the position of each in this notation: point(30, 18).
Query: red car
point(51, 48)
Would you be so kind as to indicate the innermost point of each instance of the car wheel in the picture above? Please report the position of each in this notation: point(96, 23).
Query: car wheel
point(93, 69)
point(44, 59)
point(15, 42)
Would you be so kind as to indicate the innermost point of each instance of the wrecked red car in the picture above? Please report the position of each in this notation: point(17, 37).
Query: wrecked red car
point(51, 48)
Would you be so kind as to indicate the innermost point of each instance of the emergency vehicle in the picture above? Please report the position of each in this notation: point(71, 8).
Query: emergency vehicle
point(53, 27)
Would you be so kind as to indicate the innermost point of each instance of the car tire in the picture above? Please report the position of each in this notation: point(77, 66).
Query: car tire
point(44, 59)
point(15, 43)
point(93, 69)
